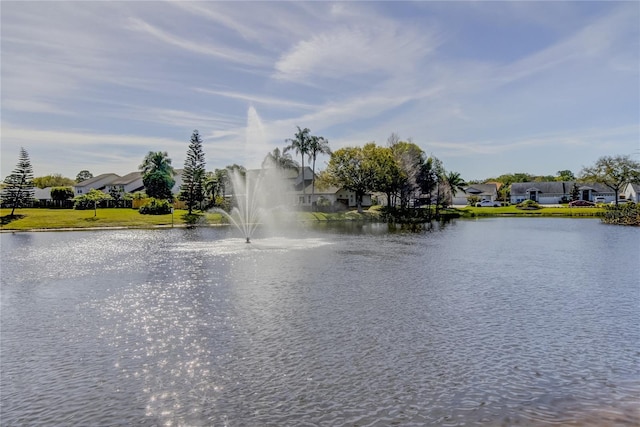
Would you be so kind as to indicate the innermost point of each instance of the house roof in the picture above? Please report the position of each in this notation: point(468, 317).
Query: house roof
point(557, 187)
point(128, 178)
point(101, 177)
point(481, 189)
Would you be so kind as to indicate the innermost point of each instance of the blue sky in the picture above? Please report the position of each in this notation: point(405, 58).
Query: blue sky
point(487, 87)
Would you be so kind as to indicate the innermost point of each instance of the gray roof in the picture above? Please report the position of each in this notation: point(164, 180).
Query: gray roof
point(130, 177)
point(90, 181)
point(557, 187)
point(480, 189)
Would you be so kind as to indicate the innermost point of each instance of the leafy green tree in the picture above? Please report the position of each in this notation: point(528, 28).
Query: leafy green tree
point(18, 189)
point(91, 199)
point(300, 143)
point(472, 200)
point(387, 172)
point(565, 175)
point(55, 180)
point(118, 195)
point(544, 178)
point(83, 175)
point(60, 194)
point(279, 160)
point(350, 168)
point(157, 175)
point(428, 179)
point(615, 172)
point(410, 159)
point(193, 174)
point(317, 145)
point(158, 185)
point(510, 178)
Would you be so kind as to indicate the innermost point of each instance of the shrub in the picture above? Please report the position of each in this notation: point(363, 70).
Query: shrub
point(324, 202)
point(624, 214)
point(472, 200)
point(528, 204)
point(192, 218)
point(155, 207)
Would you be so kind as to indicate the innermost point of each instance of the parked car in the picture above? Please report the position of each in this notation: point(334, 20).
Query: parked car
point(581, 203)
point(620, 201)
point(487, 203)
point(599, 199)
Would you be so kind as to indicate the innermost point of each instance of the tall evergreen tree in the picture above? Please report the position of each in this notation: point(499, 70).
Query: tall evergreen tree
point(193, 174)
point(19, 184)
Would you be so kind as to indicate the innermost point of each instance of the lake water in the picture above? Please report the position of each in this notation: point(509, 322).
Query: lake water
point(505, 321)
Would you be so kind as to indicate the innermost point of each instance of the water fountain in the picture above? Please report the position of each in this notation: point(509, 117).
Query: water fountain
point(249, 211)
point(257, 192)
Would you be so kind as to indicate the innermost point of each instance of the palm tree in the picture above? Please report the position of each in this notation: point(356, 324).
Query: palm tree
point(455, 183)
point(317, 145)
point(157, 174)
point(210, 185)
point(301, 145)
point(279, 160)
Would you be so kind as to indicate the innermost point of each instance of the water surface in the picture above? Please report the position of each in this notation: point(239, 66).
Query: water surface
point(497, 321)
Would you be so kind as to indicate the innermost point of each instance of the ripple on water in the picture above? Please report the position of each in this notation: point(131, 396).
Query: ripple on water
point(317, 332)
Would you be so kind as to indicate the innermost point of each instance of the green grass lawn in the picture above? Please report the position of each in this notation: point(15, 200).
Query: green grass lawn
point(33, 219)
point(28, 219)
point(565, 211)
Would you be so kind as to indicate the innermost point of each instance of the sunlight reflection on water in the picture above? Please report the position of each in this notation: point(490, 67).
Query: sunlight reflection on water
point(198, 328)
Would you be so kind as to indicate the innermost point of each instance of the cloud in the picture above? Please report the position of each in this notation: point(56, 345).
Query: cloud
point(354, 50)
point(258, 99)
point(221, 52)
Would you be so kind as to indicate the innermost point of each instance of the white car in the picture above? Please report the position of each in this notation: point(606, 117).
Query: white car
point(487, 203)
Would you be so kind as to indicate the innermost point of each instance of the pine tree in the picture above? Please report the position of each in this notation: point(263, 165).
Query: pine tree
point(193, 174)
point(19, 185)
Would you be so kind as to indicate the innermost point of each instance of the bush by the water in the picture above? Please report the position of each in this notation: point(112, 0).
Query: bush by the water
point(528, 204)
point(156, 207)
point(623, 214)
point(192, 218)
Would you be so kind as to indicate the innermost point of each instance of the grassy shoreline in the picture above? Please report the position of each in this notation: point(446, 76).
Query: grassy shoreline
point(70, 219)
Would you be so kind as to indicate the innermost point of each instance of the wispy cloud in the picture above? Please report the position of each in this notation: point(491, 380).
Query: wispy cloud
point(257, 99)
point(211, 49)
point(112, 80)
point(354, 50)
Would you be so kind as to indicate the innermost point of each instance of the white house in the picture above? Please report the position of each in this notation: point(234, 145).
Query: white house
point(483, 191)
point(553, 192)
point(632, 192)
point(99, 182)
point(130, 183)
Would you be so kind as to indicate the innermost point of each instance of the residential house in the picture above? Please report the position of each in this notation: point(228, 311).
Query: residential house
point(483, 191)
point(42, 195)
point(632, 192)
point(299, 191)
point(130, 183)
point(554, 192)
point(99, 182)
point(336, 198)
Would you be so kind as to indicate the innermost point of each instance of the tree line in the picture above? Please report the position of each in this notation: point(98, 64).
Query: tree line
point(399, 170)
